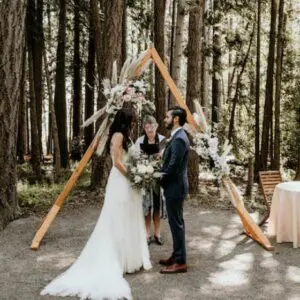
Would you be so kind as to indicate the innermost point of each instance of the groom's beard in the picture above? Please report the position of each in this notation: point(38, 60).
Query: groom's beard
point(169, 126)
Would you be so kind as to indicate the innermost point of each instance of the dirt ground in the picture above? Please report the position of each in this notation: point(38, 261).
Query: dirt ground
point(222, 263)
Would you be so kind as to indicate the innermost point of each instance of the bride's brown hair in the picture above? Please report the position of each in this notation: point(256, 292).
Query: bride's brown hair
point(122, 123)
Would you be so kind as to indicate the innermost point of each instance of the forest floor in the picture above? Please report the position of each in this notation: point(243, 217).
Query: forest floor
point(222, 263)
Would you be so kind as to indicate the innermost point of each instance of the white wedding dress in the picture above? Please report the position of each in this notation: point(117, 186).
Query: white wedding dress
point(117, 245)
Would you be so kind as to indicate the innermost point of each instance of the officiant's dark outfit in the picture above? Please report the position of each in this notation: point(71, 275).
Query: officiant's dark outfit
point(175, 184)
point(152, 198)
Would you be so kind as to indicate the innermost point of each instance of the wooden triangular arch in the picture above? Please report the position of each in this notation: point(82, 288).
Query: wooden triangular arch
point(251, 228)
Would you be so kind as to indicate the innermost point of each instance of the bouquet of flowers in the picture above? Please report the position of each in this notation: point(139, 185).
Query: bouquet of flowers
point(143, 171)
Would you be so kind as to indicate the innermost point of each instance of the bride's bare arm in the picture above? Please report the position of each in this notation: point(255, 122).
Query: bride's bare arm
point(117, 151)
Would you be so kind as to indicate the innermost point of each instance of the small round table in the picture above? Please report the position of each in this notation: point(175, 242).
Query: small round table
point(285, 213)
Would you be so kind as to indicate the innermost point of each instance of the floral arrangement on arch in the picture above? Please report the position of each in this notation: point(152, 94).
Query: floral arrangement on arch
point(131, 92)
point(207, 145)
point(121, 90)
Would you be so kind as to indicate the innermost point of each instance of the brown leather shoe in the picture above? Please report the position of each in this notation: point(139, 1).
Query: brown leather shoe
point(174, 268)
point(167, 262)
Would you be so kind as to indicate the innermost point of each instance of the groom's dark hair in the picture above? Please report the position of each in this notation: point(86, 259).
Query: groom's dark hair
point(180, 112)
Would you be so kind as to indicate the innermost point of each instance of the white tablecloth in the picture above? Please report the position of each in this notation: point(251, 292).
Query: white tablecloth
point(285, 213)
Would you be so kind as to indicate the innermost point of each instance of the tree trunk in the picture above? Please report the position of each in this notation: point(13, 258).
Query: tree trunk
point(268, 108)
point(279, 58)
point(38, 68)
point(35, 149)
point(49, 37)
point(75, 152)
point(21, 141)
point(34, 118)
point(178, 44)
point(54, 129)
point(12, 43)
point(159, 43)
point(237, 91)
point(250, 178)
point(124, 34)
point(90, 84)
point(111, 51)
point(60, 86)
point(193, 91)
point(217, 65)
point(194, 50)
point(171, 100)
point(205, 76)
point(297, 177)
point(257, 93)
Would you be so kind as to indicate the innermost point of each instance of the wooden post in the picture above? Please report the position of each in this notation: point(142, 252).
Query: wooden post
point(174, 90)
point(63, 195)
point(251, 228)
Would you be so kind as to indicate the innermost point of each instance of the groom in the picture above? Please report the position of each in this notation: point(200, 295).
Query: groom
point(175, 184)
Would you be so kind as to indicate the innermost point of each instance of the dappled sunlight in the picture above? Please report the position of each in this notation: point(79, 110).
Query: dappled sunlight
point(229, 278)
point(59, 260)
point(199, 243)
point(212, 230)
point(293, 274)
point(234, 272)
point(225, 249)
point(269, 263)
point(273, 289)
point(241, 262)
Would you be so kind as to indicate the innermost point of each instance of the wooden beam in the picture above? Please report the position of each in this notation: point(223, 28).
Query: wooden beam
point(251, 228)
point(173, 88)
point(138, 70)
point(63, 195)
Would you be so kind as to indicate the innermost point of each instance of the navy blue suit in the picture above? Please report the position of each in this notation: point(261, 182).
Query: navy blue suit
point(175, 184)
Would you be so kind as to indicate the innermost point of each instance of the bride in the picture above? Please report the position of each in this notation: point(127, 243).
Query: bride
point(118, 243)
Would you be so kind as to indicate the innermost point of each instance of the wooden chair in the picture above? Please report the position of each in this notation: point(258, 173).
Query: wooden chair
point(268, 181)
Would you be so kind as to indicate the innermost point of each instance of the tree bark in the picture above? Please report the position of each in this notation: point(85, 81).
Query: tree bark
point(268, 107)
point(38, 68)
point(90, 83)
point(297, 177)
point(237, 91)
point(124, 34)
point(178, 44)
point(75, 153)
point(279, 58)
point(159, 43)
point(111, 50)
point(257, 93)
point(194, 50)
point(35, 149)
point(35, 159)
point(205, 76)
point(12, 43)
point(21, 141)
point(54, 131)
point(60, 86)
point(216, 77)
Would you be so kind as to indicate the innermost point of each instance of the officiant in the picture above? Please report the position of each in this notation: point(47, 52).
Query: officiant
point(149, 144)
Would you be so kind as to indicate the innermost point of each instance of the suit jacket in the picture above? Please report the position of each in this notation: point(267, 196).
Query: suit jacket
point(174, 180)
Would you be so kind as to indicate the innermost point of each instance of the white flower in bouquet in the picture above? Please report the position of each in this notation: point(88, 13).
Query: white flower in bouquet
point(156, 174)
point(150, 169)
point(138, 179)
point(141, 169)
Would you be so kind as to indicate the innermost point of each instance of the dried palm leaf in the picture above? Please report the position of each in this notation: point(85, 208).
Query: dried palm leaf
point(94, 117)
